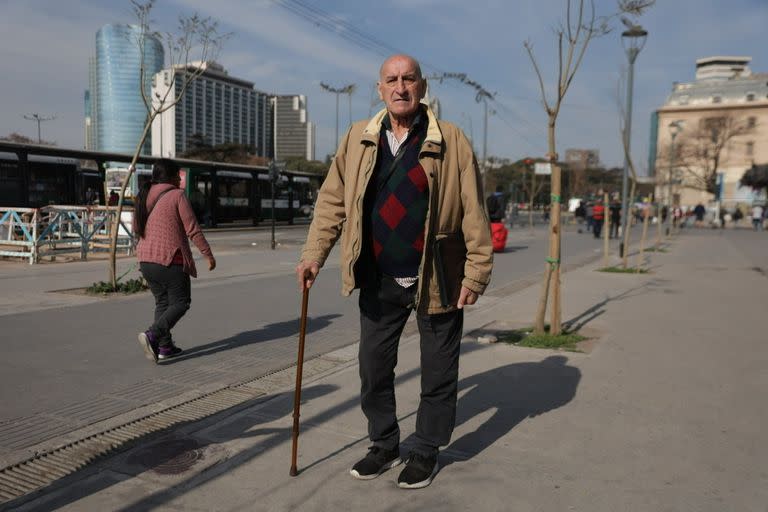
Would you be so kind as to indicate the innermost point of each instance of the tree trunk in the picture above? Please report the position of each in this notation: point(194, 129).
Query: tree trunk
point(116, 224)
point(625, 235)
point(552, 272)
point(554, 250)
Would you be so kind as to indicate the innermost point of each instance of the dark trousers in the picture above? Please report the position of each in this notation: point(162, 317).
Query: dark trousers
point(597, 226)
point(615, 227)
point(171, 288)
point(384, 309)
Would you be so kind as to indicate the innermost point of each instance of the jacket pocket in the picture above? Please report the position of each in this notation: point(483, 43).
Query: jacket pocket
point(450, 255)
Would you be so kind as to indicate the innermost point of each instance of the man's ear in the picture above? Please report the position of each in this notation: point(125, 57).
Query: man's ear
point(423, 88)
point(378, 90)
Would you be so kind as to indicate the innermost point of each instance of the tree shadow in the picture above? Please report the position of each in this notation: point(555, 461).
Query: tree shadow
point(253, 424)
point(514, 392)
point(269, 332)
point(582, 319)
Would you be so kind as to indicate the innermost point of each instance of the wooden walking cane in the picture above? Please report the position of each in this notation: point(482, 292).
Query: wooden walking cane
point(299, 367)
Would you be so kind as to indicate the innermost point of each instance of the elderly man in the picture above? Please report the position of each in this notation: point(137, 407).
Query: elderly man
point(405, 196)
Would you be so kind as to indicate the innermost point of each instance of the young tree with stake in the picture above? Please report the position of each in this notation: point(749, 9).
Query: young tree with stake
point(196, 35)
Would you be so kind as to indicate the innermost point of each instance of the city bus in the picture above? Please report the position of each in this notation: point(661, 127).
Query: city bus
point(47, 180)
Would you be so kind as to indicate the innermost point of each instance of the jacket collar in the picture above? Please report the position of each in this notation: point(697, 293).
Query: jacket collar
point(432, 141)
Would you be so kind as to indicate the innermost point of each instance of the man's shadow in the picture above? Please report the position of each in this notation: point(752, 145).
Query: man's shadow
point(514, 393)
point(269, 332)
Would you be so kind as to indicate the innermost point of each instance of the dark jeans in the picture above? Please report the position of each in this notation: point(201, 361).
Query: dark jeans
point(615, 227)
point(384, 309)
point(172, 290)
point(597, 226)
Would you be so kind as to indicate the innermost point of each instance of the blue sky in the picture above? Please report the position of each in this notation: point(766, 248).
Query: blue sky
point(45, 46)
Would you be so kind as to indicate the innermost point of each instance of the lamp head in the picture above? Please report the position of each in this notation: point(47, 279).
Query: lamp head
point(633, 39)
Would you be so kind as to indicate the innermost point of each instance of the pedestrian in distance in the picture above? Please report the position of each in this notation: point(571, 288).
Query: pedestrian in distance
point(598, 218)
point(757, 217)
point(699, 212)
point(737, 215)
point(589, 211)
point(407, 192)
point(615, 211)
point(580, 213)
point(164, 222)
point(496, 209)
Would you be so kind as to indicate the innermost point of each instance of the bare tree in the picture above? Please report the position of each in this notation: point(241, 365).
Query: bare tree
point(573, 37)
point(701, 151)
point(195, 35)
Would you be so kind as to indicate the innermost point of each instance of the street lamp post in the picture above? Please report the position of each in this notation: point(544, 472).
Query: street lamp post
point(484, 96)
point(674, 129)
point(633, 41)
point(347, 89)
point(39, 119)
point(274, 175)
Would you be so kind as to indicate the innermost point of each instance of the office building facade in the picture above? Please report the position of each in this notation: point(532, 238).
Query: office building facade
point(115, 114)
point(216, 108)
point(294, 135)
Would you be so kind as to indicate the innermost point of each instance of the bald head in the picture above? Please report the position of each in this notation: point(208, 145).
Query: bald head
point(401, 87)
point(405, 59)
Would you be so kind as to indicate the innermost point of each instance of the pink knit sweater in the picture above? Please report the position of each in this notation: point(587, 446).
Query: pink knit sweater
point(170, 223)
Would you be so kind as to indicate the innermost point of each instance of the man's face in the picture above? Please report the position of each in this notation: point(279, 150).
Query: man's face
point(401, 86)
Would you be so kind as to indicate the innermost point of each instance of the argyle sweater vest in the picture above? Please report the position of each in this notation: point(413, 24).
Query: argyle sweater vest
point(400, 200)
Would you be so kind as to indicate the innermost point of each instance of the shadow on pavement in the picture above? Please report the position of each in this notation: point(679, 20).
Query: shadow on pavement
point(269, 332)
point(514, 392)
point(514, 248)
point(579, 321)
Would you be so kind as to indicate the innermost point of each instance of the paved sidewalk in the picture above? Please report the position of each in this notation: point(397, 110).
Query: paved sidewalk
point(666, 412)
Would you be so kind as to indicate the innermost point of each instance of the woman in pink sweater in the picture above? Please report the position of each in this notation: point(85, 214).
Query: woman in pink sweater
point(164, 222)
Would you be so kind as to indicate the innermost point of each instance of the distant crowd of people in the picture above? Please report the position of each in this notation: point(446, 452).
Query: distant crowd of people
point(591, 215)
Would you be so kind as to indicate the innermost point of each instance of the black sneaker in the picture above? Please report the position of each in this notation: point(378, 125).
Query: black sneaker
point(375, 463)
point(168, 352)
point(419, 471)
point(148, 342)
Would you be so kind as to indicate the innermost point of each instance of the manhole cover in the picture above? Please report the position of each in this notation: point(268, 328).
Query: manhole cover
point(170, 457)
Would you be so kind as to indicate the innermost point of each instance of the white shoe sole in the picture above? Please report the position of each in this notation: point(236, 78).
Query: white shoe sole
point(389, 465)
point(147, 346)
point(423, 483)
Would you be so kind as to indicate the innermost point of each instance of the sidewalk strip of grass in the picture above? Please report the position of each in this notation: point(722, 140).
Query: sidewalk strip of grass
point(526, 338)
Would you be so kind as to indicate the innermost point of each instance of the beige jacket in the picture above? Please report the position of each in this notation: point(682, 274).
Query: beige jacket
point(455, 193)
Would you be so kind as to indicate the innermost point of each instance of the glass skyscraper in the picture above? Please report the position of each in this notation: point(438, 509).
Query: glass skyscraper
point(116, 105)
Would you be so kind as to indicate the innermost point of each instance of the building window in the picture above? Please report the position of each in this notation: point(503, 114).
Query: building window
point(750, 148)
point(683, 100)
point(717, 99)
point(750, 96)
point(751, 122)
